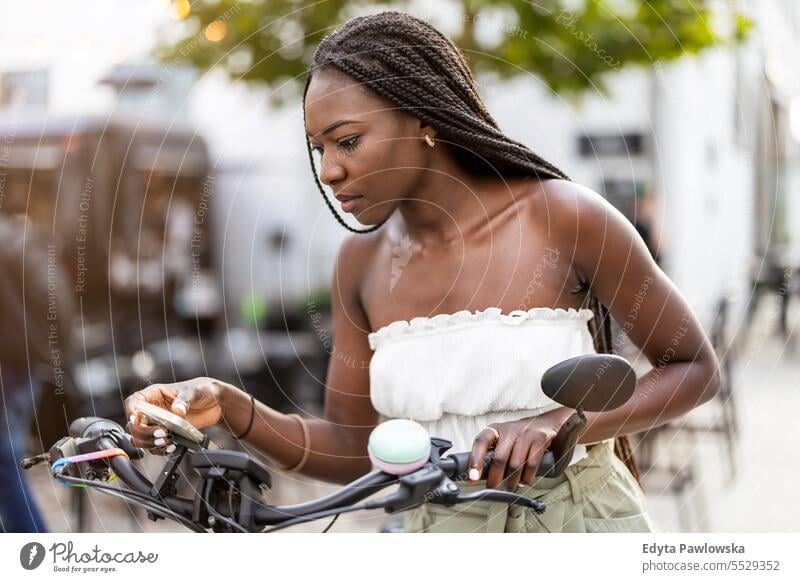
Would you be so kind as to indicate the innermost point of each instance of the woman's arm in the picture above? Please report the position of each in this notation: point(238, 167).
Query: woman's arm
point(607, 249)
point(647, 306)
point(338, 442)
point(603, 245)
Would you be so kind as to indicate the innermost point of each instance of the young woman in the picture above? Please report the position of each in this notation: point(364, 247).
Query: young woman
point(473, 279)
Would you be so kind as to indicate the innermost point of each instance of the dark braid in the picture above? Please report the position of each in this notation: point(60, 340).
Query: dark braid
point(418, 69)
point(601, 334)
point(319, 185)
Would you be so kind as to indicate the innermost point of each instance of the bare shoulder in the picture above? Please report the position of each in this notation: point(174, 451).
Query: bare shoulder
point(564, 208)
point(356, 249)
point(355, 255)
point(582, 223)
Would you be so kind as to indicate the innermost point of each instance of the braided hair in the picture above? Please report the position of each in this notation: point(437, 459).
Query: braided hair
point(420, 71)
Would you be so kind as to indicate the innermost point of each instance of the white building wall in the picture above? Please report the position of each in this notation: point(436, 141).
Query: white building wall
point(699, 173)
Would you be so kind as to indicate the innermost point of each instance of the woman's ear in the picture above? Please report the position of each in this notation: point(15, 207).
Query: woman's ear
point(427, 129)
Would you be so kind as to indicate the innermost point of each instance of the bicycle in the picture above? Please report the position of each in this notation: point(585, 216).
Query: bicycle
point(98, 451)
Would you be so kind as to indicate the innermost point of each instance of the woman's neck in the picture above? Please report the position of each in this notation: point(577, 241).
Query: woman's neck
point(447, 204)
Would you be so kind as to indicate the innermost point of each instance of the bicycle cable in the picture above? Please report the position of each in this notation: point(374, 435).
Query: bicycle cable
point(330, 525)
point(320, 514)
point(138, 498)
point(217, 515)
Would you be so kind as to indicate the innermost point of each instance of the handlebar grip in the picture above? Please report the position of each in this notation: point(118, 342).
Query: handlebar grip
point(85, 426)
point(94, 426)
point(554, 461)
point(456, 465)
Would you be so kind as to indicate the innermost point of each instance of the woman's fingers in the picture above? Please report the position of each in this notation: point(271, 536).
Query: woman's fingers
point(480, 447)
point(502, 454)
point(164, 449)
point(196, 400)
point(535, 453)
point(518, 450)
point(147, 436)
point(157, 394)
point(517, 462)
point(154, 438)
point(181, 403)
point(161, 451)
point(131, 401)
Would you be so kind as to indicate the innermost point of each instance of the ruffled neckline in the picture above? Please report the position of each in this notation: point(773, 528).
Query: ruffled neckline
point(491, 314)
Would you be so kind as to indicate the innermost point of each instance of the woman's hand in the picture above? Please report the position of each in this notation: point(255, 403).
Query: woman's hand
point(199, 401)
point(518, 450)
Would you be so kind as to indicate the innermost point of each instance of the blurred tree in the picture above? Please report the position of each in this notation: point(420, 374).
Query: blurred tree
point(569, 44)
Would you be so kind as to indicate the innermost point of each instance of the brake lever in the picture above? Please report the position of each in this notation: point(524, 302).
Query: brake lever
point(494, 495)
point(29, 462)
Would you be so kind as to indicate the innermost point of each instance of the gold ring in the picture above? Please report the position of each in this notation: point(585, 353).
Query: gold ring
point(494, 430)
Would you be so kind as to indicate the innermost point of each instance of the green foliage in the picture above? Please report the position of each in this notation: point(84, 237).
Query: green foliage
point(570, 44)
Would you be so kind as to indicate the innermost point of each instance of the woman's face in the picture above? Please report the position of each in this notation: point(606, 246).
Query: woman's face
point(369, 149)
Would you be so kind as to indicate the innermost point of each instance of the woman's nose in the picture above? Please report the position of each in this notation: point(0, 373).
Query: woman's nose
point(332, 171)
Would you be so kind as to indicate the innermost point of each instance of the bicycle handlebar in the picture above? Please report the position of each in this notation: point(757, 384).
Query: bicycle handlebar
point(456, 467)
point(433, 483)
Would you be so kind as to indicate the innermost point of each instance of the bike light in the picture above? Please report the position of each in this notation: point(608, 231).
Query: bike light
point(399, 446)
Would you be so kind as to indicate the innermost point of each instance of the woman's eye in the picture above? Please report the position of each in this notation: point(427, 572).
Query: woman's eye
point(350, 143)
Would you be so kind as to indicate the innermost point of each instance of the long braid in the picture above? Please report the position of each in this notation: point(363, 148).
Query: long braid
point(419, 70)
point(601, 333)
point(319, 184)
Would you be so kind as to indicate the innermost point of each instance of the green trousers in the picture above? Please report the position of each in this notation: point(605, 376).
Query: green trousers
point(596, 494)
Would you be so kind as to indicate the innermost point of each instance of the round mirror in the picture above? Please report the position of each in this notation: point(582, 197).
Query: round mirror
point(595, 382)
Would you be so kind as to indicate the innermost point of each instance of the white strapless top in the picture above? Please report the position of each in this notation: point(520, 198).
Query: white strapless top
point(456, 373)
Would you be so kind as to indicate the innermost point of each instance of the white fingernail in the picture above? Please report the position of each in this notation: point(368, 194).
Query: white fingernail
point(160, 442)
point(159, 433)
point(181, 405)
point(133, 419)
point(170, 448)
point(474, 474)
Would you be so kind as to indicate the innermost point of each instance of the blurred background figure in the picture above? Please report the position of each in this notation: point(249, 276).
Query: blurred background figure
point(35, 320)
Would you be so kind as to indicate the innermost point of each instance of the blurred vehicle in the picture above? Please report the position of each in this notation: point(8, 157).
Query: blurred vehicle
point(126, 203)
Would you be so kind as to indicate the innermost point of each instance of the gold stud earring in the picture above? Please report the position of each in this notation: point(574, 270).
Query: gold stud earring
point(429, 140)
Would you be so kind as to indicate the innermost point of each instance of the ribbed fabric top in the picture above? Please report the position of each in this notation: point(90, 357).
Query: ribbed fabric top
point(456, 373)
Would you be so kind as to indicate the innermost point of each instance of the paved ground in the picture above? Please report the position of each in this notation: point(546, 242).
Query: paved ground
point(763, 494)
point(761, 497)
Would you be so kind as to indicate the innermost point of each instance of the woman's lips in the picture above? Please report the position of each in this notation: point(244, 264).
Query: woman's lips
point(349, 203)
